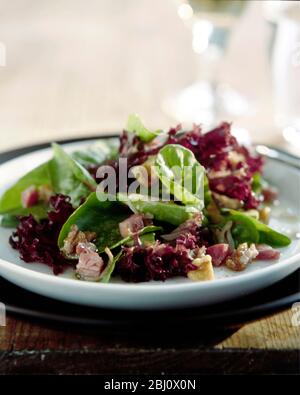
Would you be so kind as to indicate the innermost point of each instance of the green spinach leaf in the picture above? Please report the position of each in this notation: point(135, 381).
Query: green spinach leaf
point(10, 201)
point(169, 212)
point(249, 229)
point(181, 173)
point(69, 177)
point(135, 125)
point(145, 234)
point(207, 191)
point(101, 217)
point(148, 239)
point(10, 220)
point(97, 152)
point(107, 272)
point(256, 183)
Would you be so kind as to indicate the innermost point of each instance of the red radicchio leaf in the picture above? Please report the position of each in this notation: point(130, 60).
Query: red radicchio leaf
point(37, 241)
point(157, 262)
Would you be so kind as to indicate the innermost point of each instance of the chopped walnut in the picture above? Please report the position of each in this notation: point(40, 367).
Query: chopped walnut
point(219, 173)
point(241, 257)
point(225, 201)
point(45, 193)
point(200, 252)
point(204, 269)
point(214, 212)
point(235, 158)
point(264, 215)
point(75, 237)
point(225, 173)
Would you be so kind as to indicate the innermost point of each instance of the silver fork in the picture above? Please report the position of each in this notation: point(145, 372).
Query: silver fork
point(278, 155)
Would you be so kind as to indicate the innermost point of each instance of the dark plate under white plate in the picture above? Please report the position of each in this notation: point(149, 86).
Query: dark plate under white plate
point(233, 313)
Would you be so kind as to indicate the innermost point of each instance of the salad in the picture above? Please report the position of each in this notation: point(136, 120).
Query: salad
point(153, 206)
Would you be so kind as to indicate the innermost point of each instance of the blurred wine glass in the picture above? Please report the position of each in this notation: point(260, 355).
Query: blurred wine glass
point(285, 15)
point(208, 99)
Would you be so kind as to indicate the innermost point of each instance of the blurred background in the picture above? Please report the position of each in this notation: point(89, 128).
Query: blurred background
point(76, 67)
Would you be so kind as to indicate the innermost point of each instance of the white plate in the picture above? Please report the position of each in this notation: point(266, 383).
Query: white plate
point(174, 293)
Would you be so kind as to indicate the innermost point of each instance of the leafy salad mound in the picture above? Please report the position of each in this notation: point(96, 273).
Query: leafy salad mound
point(212, 207)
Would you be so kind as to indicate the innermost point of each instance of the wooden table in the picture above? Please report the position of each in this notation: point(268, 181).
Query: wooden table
point(72, 69)
point(267, 346)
